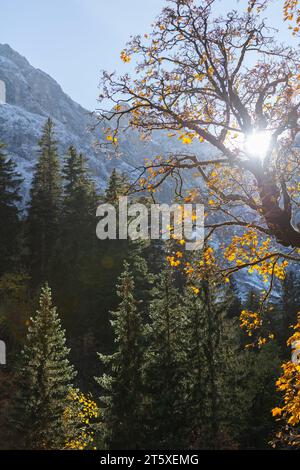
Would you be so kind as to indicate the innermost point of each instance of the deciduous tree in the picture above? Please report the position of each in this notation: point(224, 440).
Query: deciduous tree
point(227, 82)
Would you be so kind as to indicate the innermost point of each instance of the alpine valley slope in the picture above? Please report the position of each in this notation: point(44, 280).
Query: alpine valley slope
point(32, 96)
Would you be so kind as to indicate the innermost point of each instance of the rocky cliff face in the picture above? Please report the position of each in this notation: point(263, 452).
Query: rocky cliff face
point(32, 96)
point(37, 93)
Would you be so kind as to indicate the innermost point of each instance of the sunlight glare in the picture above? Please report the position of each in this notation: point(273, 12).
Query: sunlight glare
point(257, 144)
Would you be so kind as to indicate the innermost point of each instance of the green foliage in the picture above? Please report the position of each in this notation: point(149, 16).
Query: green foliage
point(80, 198)
point(15, 308)
point(263, 372)
point(117, 186)
point(217, 369)
point(290, 305)
point(76, 240)
point(166, 366)
point(10, 183)
point(174, 372)
point(44, 377)
point(122, 383)
point(45, 206)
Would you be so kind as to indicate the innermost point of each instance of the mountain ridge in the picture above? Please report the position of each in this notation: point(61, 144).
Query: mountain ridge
point(33, 96)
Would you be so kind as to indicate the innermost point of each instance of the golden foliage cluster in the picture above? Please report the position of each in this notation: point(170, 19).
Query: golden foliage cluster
point(79, 415)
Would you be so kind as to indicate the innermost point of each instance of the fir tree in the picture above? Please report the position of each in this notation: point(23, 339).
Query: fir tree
point(166, 367)
point(79, 204)
point(107, 265)
point(122, 384)
point(290, 303)
point(217, 369)
point(112, 253)
point(76, 289)
point(45, 205)
point(117, 186)
point(77, 233)
point(73, 172)
point(78, 186)
point(260, 387)
point(44, 379)
point(197, 380)
point(10, 182)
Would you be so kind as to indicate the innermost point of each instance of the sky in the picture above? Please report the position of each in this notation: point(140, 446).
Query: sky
point(73, 40)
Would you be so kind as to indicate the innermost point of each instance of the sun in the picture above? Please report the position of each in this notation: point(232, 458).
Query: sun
point(257, 144)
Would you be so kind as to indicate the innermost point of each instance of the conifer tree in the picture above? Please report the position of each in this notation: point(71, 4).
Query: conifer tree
point(117, 186)
point(80, 198)
point(44, 380)
point(77, 244)
point(217, 368)
point(44, 206)
point(166, 367)
point(122, 383)
point(260, 386)
point(290, 303)
point(197, 377)
point(78, 220)
point(111, 255)
point(10, 182)
point(73, 171)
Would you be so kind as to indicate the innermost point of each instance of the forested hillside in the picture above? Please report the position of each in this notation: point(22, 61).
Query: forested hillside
point(117, 330)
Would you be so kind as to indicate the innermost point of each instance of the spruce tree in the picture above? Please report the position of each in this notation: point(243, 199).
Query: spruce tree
point(197, 376)
point(290, 302)
point(73, 171)
point(122, 381)
point(116, 187)
point(10, 183)
point(45, 205)
point(108, 263)
point(218, 369)
point(44, 379)
point(79, 204)
point(76, 289)
point(166, 367)
point(112, 253)
point(79, 190)
point(78, 221)
point(260, 386)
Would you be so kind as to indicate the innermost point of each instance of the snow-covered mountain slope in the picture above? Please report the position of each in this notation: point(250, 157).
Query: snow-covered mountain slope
point(32, 96)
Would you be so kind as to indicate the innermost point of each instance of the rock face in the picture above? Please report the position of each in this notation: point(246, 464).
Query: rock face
point(36, 92)
point(32, 96)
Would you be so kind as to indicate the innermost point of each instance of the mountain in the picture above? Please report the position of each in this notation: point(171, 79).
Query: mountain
point(32, 96)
